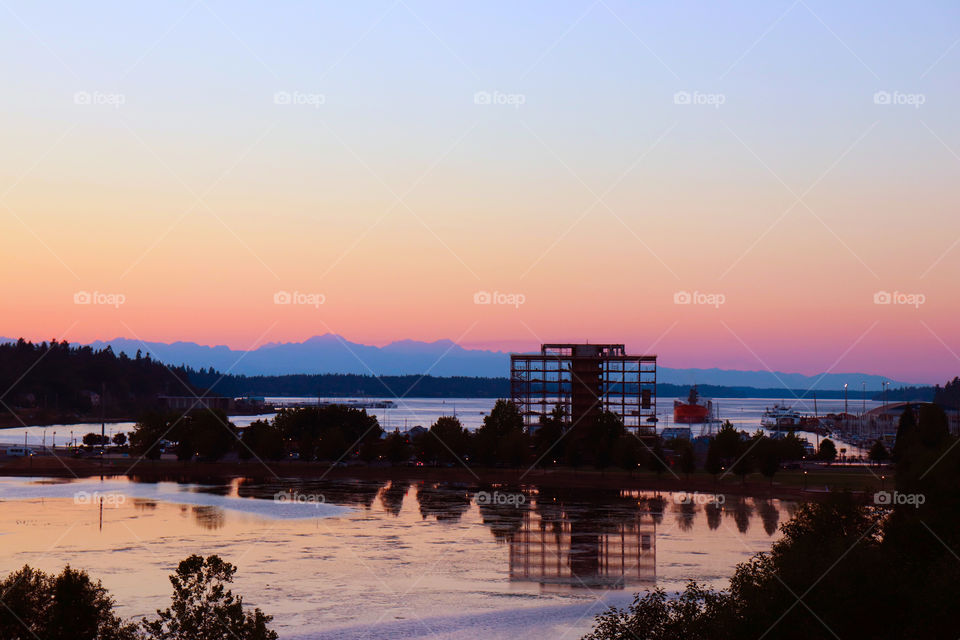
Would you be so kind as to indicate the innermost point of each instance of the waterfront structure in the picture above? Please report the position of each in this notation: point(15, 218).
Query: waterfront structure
point(585, 380)
point(677, 433)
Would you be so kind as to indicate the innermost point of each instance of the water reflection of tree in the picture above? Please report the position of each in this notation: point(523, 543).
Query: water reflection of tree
point(790, 508)
point(207, 484)
point(714, 512)
point(740, 510)
point(142, 504)
point(209, 517)
point(656, 505)
point(769, 514)
point(443, 501)
point(686, 511)
point(351, 493)
point(391, 497)
point(503, 517)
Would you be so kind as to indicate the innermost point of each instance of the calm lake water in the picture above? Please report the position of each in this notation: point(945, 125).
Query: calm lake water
point(389, 560)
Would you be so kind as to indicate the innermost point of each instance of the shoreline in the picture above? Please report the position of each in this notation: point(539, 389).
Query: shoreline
point(814, 484)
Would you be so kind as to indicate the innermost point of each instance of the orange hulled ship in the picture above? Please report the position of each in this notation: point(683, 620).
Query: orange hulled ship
point(694, 411)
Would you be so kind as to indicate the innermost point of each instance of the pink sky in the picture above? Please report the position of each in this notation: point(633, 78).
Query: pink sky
point(598, 197)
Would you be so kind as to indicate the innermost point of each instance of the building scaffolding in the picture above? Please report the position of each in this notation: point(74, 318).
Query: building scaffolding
point(585, 380)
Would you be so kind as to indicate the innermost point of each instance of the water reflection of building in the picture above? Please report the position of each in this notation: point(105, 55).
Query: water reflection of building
point(583, 553)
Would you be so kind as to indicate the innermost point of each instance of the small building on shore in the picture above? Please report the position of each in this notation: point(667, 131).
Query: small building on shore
point(880, 423)
point(188, 403)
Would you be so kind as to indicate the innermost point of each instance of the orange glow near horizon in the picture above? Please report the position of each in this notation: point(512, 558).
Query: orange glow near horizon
point(400, 195)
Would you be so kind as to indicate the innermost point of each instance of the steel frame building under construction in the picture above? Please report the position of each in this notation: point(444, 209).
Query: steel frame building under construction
point(586, 380)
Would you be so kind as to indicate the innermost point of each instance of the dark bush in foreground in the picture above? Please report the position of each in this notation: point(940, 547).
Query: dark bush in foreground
point(204, 609)
point(71, 606)
point(66, 606)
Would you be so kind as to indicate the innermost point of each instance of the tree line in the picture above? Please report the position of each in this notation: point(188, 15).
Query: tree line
point(881, 566)
point(338, 433)
point(56, 376)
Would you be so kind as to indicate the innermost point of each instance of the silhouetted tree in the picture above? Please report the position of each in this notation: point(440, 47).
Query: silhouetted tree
point(447, 441)
point(906, 433)
point(396, 448)
point(828, 450)
point(499, 438)
point(933, 428)
point(714, 462)
point(147, 434)
point(656, 460)
point(688, 463)
point(547, 439)
point(768, 457)
point(260, 439)
point(66, 606)
point(205, 433)
point(204, 608)
point(878, 452)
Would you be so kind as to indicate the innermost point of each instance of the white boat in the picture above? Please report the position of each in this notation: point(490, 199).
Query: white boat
point(780, 417)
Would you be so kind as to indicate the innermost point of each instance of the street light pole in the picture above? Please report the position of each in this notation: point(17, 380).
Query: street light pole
point(863, 411)
point(103, 426)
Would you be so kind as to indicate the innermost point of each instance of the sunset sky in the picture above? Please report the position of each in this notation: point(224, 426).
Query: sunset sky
point(788, 162)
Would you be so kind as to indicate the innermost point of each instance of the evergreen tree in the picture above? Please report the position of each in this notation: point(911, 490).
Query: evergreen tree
point(906, 433)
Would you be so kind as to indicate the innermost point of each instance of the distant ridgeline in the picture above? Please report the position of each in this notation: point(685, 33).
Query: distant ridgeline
point(54, 381)
point(57, 379)
point(414, 386)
